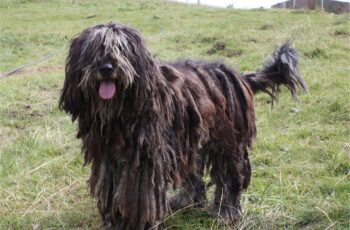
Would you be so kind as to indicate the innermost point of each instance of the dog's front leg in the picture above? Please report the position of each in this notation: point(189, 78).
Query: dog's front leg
point(132, 197)
point(104, 179)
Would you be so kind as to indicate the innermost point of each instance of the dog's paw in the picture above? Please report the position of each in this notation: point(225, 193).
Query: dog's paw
point(227, 215)
point(180, 201)
point(184, 200)
point(107, 225)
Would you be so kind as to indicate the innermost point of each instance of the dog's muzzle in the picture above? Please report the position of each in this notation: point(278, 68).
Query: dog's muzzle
point(107, 84)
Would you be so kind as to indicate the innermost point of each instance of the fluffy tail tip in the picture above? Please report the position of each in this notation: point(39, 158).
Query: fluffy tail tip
point(282, 68)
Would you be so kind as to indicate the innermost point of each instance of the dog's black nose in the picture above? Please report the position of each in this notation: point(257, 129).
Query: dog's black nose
point(105, 68)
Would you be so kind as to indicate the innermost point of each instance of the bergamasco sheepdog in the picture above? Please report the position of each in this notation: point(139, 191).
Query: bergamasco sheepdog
point(147, 126)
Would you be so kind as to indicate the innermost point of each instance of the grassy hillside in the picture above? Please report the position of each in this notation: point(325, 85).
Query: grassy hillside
point(301, 158)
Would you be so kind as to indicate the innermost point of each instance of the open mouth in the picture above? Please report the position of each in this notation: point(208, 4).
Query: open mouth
point(107, 89)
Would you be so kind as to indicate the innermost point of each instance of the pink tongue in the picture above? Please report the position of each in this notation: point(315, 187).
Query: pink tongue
point(107, 89)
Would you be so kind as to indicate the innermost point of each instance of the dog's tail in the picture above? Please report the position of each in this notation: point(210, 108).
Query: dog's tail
point(281, 69)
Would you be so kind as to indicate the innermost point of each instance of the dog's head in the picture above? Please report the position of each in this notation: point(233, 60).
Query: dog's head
point(104, 61)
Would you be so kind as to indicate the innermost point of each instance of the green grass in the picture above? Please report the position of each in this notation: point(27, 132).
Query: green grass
point(301, 157)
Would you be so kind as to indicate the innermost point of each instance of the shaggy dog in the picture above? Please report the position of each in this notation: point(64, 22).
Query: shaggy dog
point(147, 125)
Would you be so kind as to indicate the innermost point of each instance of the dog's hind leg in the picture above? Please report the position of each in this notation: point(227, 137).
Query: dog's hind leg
point(231, 174)
point(192, 192)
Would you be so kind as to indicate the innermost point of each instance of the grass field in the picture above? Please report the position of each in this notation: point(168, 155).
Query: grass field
point(301, 159)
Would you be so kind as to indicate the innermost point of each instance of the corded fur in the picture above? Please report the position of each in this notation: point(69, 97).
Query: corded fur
point(164, 125)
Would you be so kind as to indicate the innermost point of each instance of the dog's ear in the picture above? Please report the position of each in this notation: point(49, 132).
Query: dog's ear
point(72, 98)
